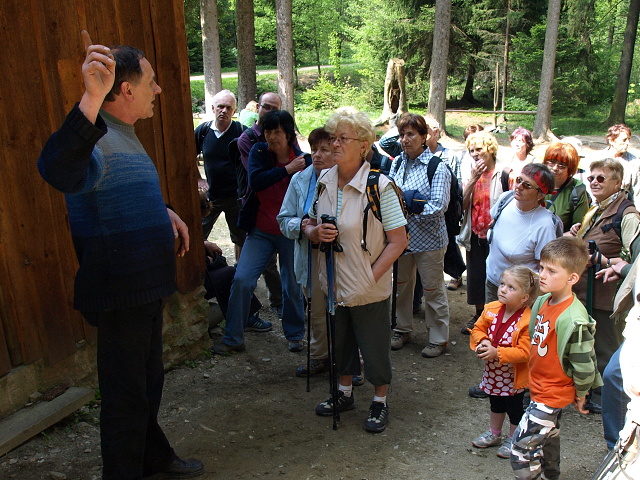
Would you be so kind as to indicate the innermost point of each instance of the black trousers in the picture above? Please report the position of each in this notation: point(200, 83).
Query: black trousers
point(131, 377)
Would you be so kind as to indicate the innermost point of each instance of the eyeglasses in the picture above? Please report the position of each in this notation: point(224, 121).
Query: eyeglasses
point(268, 107)
point(526, 185)
point(599, 178)
point(341, 140)
point(558, 165)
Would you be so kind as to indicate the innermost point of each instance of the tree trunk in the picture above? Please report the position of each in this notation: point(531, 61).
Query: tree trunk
point(619, 104)
point(505, 62)
point(542, 124)
point(439, 60)
point(210, 51)
point(284, 48)
point(467, 96)
point(245, 40)
point(395, 97)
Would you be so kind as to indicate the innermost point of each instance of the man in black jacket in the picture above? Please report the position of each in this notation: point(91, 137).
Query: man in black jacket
point(212, 140)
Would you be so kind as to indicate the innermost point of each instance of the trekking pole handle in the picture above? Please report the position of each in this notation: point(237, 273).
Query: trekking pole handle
point(335, 244)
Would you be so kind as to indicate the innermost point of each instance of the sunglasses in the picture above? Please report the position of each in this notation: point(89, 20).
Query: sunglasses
point(558, 165)
point(599, 178)
point(526, 185)
point(268, 107)
point(341, 140)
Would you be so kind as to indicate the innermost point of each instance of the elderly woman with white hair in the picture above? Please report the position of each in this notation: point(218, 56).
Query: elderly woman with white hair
point(363, 269)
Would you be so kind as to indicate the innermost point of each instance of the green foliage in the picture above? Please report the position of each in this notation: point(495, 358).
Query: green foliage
point(517, 103)
point(328, 95)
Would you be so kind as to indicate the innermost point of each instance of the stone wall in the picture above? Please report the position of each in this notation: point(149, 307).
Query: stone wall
point(185, 330)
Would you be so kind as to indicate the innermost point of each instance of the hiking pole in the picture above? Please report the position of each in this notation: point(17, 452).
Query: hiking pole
point(394, 296)
point(595, 257)
point(328, 249)
point(309, 269)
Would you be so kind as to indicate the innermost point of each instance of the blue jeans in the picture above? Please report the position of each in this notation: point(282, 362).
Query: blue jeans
point(614, 400)
point(258, 249)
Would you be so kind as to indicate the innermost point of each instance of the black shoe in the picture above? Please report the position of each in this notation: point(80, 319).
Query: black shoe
point(325, 409)
point(295, 346)
point(183, 469)
point(378, 417)
point(315, 367)
point(224, 349)
point(477, 392)
point(594, 408)
point(277, 311)
point(466, 330)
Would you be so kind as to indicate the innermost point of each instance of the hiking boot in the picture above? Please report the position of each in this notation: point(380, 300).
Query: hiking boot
point(454, 283)
point(256, 324)
point(315, 367)
point(224, 349)
point(477, 392)
point(398, 339)
point(432, 350)
point(295, 346)
point(505, 449)
point(466, 330)
point(487, 439)
point(325, 409)
point(378, 417)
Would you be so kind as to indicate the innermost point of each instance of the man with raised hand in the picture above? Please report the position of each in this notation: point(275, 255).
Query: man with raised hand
point(124, 236)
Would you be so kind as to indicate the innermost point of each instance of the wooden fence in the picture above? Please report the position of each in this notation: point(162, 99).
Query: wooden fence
point(40, 81)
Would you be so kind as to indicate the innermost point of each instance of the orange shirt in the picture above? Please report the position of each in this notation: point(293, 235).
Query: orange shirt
point(548, 383)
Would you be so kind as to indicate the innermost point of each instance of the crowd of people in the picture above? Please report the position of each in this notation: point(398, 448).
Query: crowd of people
point(543, 260)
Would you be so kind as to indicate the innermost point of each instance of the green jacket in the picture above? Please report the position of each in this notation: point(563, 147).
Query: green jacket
point(576, 331)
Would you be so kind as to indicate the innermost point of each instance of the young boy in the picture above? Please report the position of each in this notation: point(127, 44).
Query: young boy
point(562, 362)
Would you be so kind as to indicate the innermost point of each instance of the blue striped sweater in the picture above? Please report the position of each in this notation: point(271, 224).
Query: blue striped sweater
point(119, 223)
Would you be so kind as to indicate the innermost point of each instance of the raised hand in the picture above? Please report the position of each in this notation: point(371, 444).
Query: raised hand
point(98, 72)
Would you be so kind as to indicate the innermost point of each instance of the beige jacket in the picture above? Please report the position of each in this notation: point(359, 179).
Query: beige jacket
point(354, 281)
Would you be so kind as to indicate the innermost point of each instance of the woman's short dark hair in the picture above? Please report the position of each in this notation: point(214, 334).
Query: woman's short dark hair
point(540, 174)
point(316, 136)
point(283, 119)
point(526, 136)
point(128, 68)
point(411, 120)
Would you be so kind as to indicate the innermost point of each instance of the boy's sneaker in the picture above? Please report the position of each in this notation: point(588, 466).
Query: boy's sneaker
point(487, 439)
point(505, 449)
point(398, 339)
point(325, 409)
point(357, 380)
point(256, 324)
point(378, 417)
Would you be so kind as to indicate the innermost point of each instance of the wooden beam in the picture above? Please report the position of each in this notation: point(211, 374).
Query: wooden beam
point(28, 422)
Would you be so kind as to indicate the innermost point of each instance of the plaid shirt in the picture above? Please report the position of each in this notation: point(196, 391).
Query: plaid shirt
point(428, 230)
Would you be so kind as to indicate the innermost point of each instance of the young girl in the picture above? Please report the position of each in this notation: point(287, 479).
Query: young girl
point(500, 337)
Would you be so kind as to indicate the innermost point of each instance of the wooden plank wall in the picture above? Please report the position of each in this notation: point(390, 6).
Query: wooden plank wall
point(41, 80)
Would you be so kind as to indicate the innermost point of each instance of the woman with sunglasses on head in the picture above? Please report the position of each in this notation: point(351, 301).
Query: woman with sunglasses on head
point(481, 191)
point(569, 199)
point(612, 222)
point(523, 225)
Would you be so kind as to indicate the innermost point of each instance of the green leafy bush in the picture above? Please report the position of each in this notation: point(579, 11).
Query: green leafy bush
point(328, 95)
point(516, 103)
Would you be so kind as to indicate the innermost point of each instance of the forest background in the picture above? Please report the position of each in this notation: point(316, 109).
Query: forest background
point(358, 37)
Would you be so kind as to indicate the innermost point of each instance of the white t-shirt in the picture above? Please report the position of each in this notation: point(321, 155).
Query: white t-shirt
point(518, 238)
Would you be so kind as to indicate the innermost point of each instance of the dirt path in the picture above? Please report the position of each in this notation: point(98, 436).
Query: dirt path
point(247, 416)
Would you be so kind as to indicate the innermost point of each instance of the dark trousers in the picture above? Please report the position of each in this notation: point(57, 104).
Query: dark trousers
point(131, 376)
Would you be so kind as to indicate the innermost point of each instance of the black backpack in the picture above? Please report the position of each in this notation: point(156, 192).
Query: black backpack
point(454, 212)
